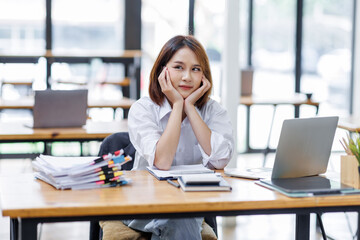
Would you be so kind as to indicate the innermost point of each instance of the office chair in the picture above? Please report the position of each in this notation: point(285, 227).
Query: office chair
point(118, 141)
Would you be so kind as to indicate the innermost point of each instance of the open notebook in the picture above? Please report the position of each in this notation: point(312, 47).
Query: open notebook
point(175, 171)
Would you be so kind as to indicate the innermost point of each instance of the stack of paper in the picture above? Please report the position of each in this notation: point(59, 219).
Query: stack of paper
point(82, 172)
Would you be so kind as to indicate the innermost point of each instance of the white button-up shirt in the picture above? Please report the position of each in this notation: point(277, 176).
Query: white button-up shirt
point(147, 122)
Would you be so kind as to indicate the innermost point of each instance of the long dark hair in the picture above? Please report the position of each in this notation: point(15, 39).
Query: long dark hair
point(166, 53)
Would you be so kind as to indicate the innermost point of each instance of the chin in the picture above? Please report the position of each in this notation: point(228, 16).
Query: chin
point(184, 94)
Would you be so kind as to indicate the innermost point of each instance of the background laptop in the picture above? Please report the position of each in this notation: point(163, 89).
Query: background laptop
point(303, 150)
point(60, 108)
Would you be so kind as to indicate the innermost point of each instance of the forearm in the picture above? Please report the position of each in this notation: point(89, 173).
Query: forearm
point(201, 130)
point(169, 140)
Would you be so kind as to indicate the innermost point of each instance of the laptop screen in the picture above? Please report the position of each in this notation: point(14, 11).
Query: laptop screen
point(304, 147)
point(60, 108)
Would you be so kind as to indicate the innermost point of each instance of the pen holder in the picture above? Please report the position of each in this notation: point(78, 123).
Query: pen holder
point(350, 171)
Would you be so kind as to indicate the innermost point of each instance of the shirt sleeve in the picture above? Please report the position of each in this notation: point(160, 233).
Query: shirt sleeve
point(144, 130)
point(222, 139)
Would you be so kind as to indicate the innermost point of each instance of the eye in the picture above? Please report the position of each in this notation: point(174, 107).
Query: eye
point(197, 69)
point(178, 67)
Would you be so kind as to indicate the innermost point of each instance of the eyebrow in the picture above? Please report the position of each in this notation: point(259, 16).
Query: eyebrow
point(180, 62)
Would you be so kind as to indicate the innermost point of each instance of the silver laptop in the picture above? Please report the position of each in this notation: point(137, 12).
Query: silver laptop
point(302, 154)
point(303, 150)
point(60, 108)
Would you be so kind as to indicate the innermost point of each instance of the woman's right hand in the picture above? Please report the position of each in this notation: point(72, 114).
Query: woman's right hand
point(168, 89)
point(169, 140)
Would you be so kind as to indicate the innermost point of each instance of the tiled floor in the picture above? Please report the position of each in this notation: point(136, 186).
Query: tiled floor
point(262, 227)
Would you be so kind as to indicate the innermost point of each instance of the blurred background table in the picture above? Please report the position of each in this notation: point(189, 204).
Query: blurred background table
point(11, 132)
point(297, 100)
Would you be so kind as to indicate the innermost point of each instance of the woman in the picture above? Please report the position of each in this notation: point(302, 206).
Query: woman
point(179, 124)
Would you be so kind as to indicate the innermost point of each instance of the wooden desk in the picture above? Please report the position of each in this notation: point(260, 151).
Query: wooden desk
point(352, 124)
point(29, 202)
point(28, 103)
point(19, 132)
point(27, 83)
point(109, 56)
point(297, 99)
point(125, 56)
point(93, 131)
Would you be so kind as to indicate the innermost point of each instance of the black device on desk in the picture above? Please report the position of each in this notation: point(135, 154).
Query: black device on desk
point(307, 186)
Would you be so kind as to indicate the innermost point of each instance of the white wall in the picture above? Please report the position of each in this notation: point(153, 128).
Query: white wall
point(231, 67)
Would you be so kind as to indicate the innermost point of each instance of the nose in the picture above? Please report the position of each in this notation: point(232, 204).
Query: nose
point(186, 76)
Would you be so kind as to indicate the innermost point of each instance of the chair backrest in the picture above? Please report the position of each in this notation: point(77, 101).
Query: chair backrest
point(118, 141)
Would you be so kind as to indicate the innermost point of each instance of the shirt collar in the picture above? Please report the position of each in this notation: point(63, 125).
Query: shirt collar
point(165, 108)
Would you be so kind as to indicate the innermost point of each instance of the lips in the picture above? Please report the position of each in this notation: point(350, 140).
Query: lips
point(185, 87)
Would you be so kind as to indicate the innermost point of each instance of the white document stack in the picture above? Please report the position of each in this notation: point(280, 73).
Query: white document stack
point(82, 172)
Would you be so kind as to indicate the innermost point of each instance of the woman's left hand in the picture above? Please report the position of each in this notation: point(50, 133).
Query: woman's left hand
point(198, 93)
point(200, 128)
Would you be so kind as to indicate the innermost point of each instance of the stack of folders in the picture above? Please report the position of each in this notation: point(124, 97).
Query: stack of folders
point(82, 172)
point(203, 182)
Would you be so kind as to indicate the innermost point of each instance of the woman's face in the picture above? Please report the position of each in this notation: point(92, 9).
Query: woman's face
point(185, 71)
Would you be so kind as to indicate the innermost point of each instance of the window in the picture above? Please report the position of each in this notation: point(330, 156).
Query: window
point(273, 47)
point(326, 56)
point(85, 25)
point(273, 58)
point(161, 20)
point(22, 26)
point(211, 13)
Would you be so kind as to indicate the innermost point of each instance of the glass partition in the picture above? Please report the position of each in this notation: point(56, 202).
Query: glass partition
point(88, 25)
point(161, 20)
point(326, 56)
point(22, 27)
point(273, 58)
